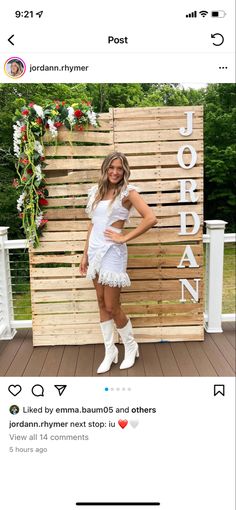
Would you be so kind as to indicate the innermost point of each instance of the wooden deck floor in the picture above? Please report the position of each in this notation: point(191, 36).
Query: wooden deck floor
point(213, 357)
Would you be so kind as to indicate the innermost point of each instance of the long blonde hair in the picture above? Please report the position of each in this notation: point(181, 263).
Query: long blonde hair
point(103, 183)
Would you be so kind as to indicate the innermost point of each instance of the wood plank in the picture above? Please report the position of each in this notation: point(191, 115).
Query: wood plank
point(36, 362)
point(152, 366)
point(74, 150)
point(230, 335)
point(156, 147)
point(225, 347)
point(201, 360)
point(65, 190)
point(136, 174)
point(85, 360)
point(146, 124)
point(155, 134)
point(65, 135)
point(184, 360)
point(21, 358)
point(167, 361)
point(216, 358)
point(134, 161)
point(52, 361)
point(137, 370)
point(10, 351)
point(156, 111)
point(164, 250)
point(68, 361)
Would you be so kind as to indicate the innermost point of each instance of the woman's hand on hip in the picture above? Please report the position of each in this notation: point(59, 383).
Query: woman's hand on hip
point(114, 236)
point(83, 268)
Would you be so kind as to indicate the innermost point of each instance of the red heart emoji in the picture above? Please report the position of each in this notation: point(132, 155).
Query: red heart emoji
point(123, 423)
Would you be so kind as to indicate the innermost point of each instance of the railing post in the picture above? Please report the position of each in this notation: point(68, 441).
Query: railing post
point(6, 308)
point(214, 274)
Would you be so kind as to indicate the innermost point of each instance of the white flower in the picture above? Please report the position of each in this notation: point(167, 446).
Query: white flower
point(32, 236)
point(17, 138)
point(71, 116)
point(38, 147)
point(52, 128)
point(38, 173)
point(38, 219)
point(20, 201)
point(92, 117)
point(39, 111)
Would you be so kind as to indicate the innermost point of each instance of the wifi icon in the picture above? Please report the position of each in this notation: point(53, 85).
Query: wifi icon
point(203, 13)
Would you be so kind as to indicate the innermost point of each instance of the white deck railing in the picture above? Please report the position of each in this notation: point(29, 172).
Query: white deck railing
point(214, 239)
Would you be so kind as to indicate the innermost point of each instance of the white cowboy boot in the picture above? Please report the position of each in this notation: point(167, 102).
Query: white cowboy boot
point(111, 351)
point(131, 347)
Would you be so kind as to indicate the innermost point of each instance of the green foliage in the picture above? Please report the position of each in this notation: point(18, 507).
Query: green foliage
point(220, 123)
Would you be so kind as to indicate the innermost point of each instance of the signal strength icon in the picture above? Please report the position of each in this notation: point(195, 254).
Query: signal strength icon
point(192, 14)
point(203, 13)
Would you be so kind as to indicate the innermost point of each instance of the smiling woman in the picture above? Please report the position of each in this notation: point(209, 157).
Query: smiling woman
point(105, 255)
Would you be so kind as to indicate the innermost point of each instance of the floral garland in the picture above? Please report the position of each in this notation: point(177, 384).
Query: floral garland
point(31, 123)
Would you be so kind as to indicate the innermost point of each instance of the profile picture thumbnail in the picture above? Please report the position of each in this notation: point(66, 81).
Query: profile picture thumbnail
point(14, 409)
point(14, 67)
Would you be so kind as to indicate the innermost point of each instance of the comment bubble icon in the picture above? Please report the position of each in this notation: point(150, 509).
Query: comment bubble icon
point(38, 390)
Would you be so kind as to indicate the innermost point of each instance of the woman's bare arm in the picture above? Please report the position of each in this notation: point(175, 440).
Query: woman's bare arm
point(148, 220)
point(87, 239)
point(84, 261)
point(148, 217)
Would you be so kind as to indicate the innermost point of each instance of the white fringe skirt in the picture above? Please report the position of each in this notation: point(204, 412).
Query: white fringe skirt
point(107, 260)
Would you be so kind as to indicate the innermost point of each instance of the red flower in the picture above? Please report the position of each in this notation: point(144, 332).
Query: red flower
point(43, 222)
point(15, 183)
point(57, 106)
point(25, 161)
point(29, 171)
point(89, 103)
point(81, 128)
point(23, 128)
point(20, 215)
point(78, 114)
point(58, 124)
point(63, 103)
point(39, 121)
point(24, 138)
point(31, 105)
point(24, 178)
point(25, 112)
point(43, 201)
point(47, 126)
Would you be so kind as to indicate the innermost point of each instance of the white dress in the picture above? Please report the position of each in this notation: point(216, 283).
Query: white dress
point(107, 259)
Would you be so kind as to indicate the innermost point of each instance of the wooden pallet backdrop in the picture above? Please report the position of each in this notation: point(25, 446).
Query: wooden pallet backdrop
point(64, 306)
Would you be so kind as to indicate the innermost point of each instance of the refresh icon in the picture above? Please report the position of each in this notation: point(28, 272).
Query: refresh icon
point(220, 39)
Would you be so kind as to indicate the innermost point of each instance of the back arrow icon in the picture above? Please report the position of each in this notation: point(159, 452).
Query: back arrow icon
point(220, 35)
point(10, 39)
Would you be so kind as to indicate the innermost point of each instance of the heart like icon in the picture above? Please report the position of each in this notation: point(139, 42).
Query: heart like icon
point(123, 423)
point(14, 389)
point(134, 423)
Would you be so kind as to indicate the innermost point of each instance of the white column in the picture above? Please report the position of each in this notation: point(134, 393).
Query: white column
point(6, 307)
point(214, 275)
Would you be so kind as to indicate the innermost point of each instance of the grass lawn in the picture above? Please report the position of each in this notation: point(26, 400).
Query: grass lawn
point(22, 304)
point(229, 279)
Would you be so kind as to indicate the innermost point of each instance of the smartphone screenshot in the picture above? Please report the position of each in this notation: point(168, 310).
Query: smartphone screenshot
point(117, 255)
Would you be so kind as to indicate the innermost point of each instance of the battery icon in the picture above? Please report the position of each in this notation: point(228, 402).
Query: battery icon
point(218, 14)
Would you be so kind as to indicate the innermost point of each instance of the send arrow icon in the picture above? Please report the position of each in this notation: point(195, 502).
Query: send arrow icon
point(61, 388)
